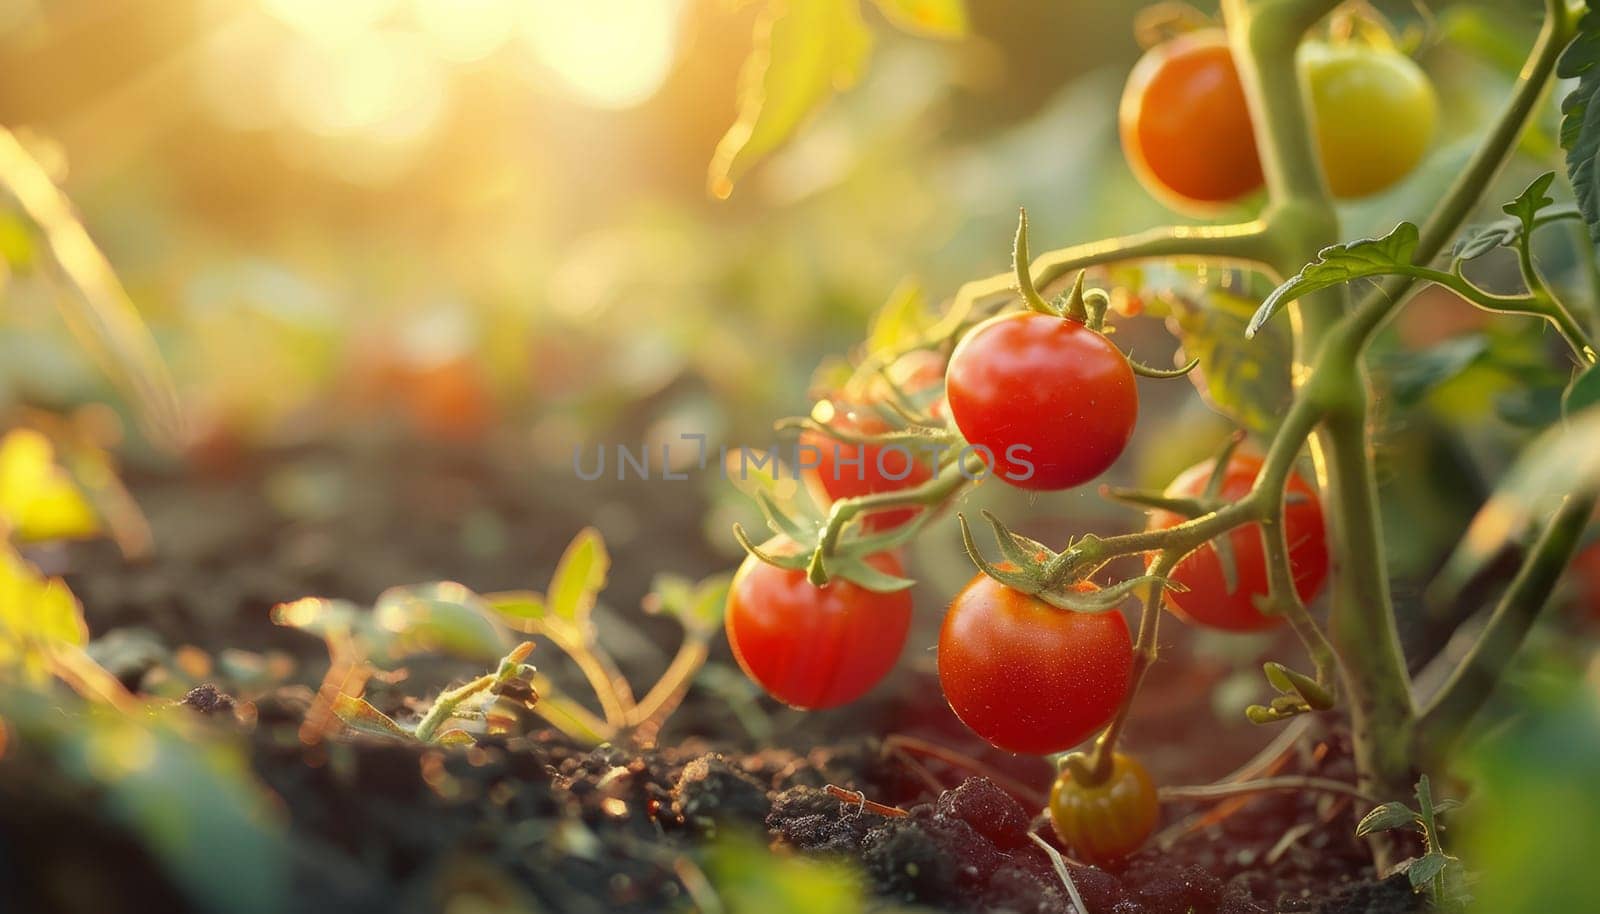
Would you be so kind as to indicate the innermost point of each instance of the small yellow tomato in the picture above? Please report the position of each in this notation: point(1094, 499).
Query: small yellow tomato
point(1106, 822)
point(1375, 114)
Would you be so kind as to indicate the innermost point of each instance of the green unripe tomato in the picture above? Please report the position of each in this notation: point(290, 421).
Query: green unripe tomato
point(1374, 111)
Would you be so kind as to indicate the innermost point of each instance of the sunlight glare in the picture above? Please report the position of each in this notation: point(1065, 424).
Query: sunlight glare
point(329, 18)
point(608, 53)
point(466, 30)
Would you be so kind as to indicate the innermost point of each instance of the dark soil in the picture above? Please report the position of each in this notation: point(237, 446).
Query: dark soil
point(534, 823)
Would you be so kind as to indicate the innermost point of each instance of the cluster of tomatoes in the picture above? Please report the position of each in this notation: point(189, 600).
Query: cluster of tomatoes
point(1187, 133)
point(1049, 403)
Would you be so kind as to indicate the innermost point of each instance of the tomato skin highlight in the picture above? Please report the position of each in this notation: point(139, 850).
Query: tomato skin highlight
point(1107, 822)
point(1029, 677)
point(1058, 392)
point(1208, 600)
point(814, 647)
point(1375, 114)
point(1185, 125)
point(847, 470)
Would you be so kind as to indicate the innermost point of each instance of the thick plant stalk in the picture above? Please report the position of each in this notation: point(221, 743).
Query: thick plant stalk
point(1362, 627)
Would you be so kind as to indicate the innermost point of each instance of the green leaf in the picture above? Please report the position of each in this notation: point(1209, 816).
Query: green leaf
point(439, 618)
point(518, 604)
point(1583, 393)
point(1525, 209)
point(1423, 870)
point(933, 18)
point(1387, 817)
point(1417, 374)
point(1580, 118)
point(579, 578)
point(1480, 240)
point(748, 877)
point(1342, 263)
point(1249, 382)
point(358, 714)
point(698, 607)
point(805, 51)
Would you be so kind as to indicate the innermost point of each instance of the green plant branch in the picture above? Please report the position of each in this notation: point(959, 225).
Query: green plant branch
point(1263, 785)
point(445, 705)
point(608, 684)
point(935, 491)
point(1537, 302)
point(1283, 598)
point(664, 697)
point(1452, 709)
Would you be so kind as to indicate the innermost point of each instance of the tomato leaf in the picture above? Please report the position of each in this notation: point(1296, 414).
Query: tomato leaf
point(933, 18)
point(438, 618)
point(359, 715)
point(38, 499)
point(698, 607)
point(1423, 869)
point(901, 321)
point(578, 579)
point(1249, 382)
point(1342, 263)
point(805, 51)
point(1583, 393)
point(1535, 197)
point(1580, 118)
point(1387, 817)
point(1527, 212)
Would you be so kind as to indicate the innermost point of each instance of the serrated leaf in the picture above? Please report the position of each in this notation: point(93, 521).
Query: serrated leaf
point(1425, 868)
point(579, 578)
point(1583, 393)
point(1385, 818)
point(934, 18)
point(359, 715)
point(438, 618)
point(805, 51)
point(1247, 381)
point(1342, 263)
point(1580, 118)
point(1525, 208)
point(38, 499)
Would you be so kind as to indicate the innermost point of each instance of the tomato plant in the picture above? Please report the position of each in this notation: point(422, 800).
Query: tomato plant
point(1028, 676)
point(1105, 822)
point(1222, 587)
point(1011, 370)
point(814, 647)
point(1374, 112)
point(1185, 125)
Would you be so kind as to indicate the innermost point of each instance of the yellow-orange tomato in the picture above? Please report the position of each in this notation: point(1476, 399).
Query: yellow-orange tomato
point(1106, 822)
point(1185, 124)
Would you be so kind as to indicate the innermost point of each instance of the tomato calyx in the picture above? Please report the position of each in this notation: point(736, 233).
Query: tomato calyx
point(1035, 569)
point(1085, 306)
point(849, 561)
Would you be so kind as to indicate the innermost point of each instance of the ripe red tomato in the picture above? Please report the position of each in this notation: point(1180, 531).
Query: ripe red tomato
point(1029, 677)
point(1584, 574)
point(1049, 403)
point(847, 470)
point(1185, 125)
point(814, 647)
point(1209, 600)
point(1107, 822)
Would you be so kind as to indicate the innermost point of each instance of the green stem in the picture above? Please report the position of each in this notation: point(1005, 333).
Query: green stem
point(445, 705)
point(1453, 708)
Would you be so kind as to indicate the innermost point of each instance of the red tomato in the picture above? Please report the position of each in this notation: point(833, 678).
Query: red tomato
point(1185, 125)
point(1048, 403)
point(846, 470)
point(1029, 677)
point(1209, 601)
point(814, 647)
point(1584, 573)
point(1107, 822)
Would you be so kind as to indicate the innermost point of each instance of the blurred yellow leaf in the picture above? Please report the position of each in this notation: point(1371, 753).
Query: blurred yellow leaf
point(805, 51)
point(35, 613)
point(579, 578)
point(934, 18)
point(38, 499)
point(901, 321)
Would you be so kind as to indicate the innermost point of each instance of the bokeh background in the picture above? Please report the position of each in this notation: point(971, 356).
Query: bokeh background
point(484, 227)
